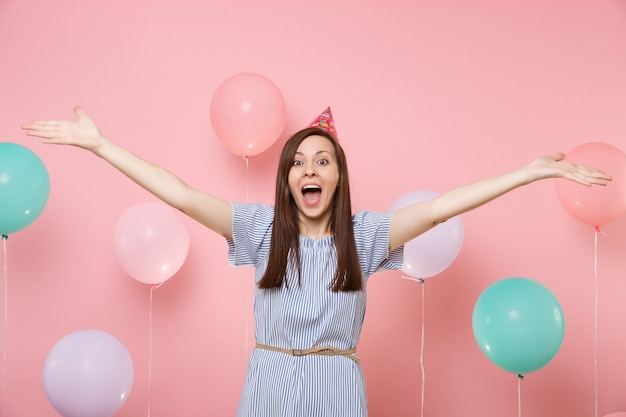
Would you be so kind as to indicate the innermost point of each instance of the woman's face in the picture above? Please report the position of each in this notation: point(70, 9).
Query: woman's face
point(313, 179)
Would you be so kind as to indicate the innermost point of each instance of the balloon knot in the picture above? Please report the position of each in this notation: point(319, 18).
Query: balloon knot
point(420, 280)
point(5, 237)
point(597, 229)
point(520, 376)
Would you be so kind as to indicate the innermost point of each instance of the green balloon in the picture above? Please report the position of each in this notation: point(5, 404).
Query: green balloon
point(24, 187)
point(518, 324)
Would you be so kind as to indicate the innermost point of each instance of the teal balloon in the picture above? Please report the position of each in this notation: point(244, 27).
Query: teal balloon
point(24, 187)
point(518, 324)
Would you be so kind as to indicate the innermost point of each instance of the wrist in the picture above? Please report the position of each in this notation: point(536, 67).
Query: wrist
point(102, 147)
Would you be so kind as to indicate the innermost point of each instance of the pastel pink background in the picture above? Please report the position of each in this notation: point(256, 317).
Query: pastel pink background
point(426, 95)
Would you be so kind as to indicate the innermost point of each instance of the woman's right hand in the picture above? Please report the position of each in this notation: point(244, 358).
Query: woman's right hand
point(82, 133)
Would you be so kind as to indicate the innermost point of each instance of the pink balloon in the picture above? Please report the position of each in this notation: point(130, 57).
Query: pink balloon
point(596, 206)
point(434, 251)
point(248, 113)
point(151, 242)
point(88, 373)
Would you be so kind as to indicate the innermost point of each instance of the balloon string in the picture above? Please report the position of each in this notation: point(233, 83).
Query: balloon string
point(520, 378)
point(247, 325)
point(595, 319)
point(6, 326)
point(421, 281)
point(245, 158)
point(152, 288)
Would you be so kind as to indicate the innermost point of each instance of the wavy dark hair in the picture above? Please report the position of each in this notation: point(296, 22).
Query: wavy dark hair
point(285, 248)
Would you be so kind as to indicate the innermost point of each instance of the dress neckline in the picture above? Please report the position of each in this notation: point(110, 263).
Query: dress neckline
point(306, 241)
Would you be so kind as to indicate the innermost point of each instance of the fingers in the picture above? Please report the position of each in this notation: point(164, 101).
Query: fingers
point(41, 124)
point(48, 130)
point(81, 132)
point(581, 173)
point(589, 176)
point(592, 173)
point(557, 166)
point(79, 112)
point(44, 134)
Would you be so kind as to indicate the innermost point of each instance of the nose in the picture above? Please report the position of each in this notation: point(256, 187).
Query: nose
point(309, 171)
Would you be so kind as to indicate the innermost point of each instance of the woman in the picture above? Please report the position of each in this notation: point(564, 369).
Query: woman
point(312, 257)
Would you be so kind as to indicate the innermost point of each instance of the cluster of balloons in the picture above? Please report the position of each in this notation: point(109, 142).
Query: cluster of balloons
point(518, 324)
point(24, 187)
point(596, 206)
point(88, 373)
point(248, 113)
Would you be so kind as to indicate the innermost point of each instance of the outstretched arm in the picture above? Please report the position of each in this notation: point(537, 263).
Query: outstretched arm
point(206, 208)
point(410, 222)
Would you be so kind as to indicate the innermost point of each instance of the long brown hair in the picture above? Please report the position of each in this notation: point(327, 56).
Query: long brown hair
point(285, 248)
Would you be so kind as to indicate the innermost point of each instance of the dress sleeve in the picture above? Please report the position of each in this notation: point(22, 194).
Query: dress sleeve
point(252, 232)
point(371, 233)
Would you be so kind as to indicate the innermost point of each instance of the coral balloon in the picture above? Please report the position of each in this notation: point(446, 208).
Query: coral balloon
point(151, 242)
point(434, 251)
point(518, 324)
point(88, 373)
point(596, 206)
point(248, 113)
point(24, 187)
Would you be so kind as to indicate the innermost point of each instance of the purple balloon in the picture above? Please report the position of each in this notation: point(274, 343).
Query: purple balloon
point(88, 373)
point(434, 251)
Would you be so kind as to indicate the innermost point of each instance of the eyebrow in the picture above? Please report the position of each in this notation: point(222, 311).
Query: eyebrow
point(316, 153)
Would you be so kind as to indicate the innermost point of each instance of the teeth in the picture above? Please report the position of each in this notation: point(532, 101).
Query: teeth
point(310, 187)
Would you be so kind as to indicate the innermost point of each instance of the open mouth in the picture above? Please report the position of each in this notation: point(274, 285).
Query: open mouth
point(312, 194)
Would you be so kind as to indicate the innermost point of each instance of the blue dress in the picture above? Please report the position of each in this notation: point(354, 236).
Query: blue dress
point(305, 316)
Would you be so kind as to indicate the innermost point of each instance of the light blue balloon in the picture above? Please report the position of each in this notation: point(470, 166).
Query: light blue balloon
point(518, 324)
point(24, 187)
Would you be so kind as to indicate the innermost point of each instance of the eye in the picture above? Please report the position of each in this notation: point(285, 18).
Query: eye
point(323, 162)
point(296, 163)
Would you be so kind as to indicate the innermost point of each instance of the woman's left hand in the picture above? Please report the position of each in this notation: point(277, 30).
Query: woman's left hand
point(556, 166)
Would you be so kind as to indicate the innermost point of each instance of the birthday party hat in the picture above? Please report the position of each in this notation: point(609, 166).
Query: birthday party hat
point(325, 121)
